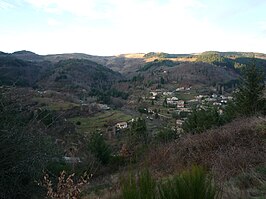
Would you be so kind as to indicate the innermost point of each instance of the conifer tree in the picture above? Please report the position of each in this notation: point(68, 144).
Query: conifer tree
point(249, 98)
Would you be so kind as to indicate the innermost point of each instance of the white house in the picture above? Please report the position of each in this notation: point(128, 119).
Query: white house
point(71, 160)
point(167, 93)
point(180, 104)
point(121, 125)
point(153, 93)
point(180, 89)
point(172, 100)
point(179, 123)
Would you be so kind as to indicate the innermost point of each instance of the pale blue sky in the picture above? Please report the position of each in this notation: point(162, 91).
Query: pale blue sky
point(110, 27)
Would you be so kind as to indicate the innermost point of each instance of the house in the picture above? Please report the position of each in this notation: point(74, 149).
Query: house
point(71, 160)
point(217, 104)
point(223, 97)
point(152, 98)
point(172, 100)
point(121, 125)
point(180, 104)
point(193, 100)
point(214, 95)
point(199, 97)
point(179, 122)
point(185, 110)
point(153, 93)
point(224, 101)
point(167, 93)
point(229, 97)
point(180, 89)
point(103, 107)
point(210, 99)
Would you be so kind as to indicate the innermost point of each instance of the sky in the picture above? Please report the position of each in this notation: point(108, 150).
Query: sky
point(112, 27)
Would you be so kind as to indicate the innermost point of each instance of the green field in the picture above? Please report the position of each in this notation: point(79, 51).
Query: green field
point(55, 105)
point(100, 121)
point(186, 95)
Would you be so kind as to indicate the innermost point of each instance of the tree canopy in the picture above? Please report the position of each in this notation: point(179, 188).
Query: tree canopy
point(249, 98)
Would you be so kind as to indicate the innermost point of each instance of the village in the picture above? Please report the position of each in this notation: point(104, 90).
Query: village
point(174, 106)
point(161, 107)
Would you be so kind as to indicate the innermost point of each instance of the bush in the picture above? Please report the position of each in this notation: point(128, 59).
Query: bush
point(142, 186)
point(99, 148)
point(202, 119)
point(65, 187)
point(166, 135)
point(190, 184)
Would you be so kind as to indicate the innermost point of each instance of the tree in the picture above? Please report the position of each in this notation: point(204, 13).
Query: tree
point(249, 97)
point(99, 148)
point(165, 135)
point(202, 119)
point(24, 152)
point(139, 130)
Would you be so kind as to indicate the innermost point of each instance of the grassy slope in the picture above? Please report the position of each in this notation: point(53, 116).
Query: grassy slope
point(100, 121)
point(55, 105)
point(234, 153)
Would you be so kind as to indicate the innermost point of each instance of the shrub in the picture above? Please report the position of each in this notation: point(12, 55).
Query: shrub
point(201, 120)
point(99, 148)
point(66, 186)
point(191, 184)
point(166, 135)
point(142, 186)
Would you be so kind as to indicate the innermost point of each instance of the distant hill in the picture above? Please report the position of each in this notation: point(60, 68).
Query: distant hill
point(25, 68)
point(165, 55)
point(236, 54)
point(83, 71)
point(76, 74)
point(233, 60)
point(14, 71)
point(128, 64)
point(189, 73)
point(158, 64)
point(3, 53)
point(122, 63)
point(27, 56)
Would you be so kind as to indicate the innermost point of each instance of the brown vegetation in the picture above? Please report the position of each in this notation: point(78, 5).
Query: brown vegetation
point(226, 151)
point(66, 187)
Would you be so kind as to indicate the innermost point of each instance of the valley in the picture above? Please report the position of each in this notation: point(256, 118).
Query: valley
point(139, 104)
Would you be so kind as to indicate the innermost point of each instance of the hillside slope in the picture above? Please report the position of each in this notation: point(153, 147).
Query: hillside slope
point(189, 73)
point(14, 71)
point(122, 63)
point(75, 75)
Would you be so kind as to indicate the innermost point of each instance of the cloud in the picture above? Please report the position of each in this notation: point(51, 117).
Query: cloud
point(4, 5)
point(82, 8)
point(107, 8)
point(262, 25)
point(53, 22)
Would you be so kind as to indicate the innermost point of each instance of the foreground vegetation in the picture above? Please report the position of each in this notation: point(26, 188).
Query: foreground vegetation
point(193, 183)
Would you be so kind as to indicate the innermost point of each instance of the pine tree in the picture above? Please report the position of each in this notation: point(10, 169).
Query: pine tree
point(100, 148)
point(249, 97)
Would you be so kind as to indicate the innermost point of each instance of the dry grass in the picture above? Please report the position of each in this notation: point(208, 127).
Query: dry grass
point(226, 151)
point(232, 153)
